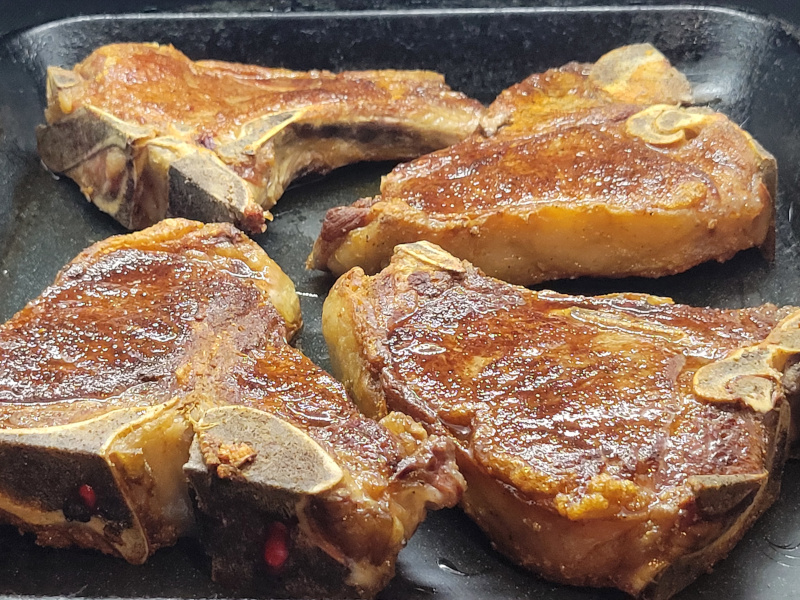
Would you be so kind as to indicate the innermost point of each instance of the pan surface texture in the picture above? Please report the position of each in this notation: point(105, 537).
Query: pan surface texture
point(744, 65)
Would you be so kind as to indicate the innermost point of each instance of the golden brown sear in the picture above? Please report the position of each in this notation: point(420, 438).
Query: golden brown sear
point(163, 355)
point(90, 385)
point(127, 313)
point(585, 170)
point(148, 133)
point(596, 447)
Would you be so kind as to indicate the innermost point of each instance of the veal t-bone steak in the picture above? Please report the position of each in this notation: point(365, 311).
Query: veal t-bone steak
point(162, 355)
point(147, 133)
point(620, 440)
point(585, 170)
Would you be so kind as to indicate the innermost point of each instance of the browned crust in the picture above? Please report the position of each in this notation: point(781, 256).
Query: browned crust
point(564, 182)
point(147, 133)
point(521, 522)
point(181, 334)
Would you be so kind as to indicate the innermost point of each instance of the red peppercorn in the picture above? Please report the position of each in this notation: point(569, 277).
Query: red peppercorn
point(276, 546)
point(88, 497)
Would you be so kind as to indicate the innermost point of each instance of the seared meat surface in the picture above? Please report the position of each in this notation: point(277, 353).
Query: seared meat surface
point(585, 170)
point(166, 352)
point(148, 133)
point(616, 441)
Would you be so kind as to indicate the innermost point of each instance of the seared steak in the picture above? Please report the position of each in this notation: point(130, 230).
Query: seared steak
point(620, 441)
point(589, 169)
point(147, 133)
point(148, 341)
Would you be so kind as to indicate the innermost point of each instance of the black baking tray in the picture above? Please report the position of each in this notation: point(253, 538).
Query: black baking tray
point(744, 65)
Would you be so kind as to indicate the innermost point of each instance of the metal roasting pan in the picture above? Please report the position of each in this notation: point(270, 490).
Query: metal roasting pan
point(744, 65)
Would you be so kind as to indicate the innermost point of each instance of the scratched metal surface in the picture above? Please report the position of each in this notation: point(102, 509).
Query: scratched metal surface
point(744, 65)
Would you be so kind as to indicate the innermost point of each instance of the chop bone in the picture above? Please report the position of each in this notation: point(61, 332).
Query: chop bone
point(662, 124)
point(632, 72)
point(280, 455)
point(147, 133)
point(753, 376)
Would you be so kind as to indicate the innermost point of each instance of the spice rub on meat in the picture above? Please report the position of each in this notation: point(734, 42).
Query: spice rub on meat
point(616, 441)
point(158, 362)
point(585, 170)
point(148, 133)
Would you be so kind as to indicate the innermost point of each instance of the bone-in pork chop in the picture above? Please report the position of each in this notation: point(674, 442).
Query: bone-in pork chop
point(165, 352)
point(585, 170)
point(147, 133)
point(620, 441)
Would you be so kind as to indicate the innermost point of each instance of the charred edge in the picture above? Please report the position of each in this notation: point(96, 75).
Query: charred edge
point(337, 224)
point(341, 220)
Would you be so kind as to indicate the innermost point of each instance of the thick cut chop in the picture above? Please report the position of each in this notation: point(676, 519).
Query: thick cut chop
point(147, 133)
point(162, 355)
point(585, 170)
point(620, 441)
